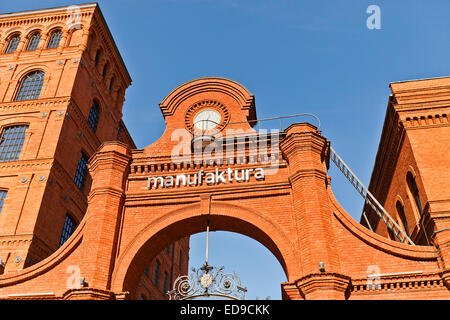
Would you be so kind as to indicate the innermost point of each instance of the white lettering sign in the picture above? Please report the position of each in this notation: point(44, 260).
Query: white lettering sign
point(209, 178)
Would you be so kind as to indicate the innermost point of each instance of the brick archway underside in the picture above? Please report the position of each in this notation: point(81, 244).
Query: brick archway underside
point(188, 220)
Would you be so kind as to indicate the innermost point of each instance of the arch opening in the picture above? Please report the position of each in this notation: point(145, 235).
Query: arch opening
point(146, 246)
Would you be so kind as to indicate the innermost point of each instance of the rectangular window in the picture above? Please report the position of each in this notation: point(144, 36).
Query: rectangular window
point(119, 132)
point(93, 117)
point(166, 276)
point(68, 228)
point(82, 170)
point(2, 199)
point(11, 142)
point(157, 273)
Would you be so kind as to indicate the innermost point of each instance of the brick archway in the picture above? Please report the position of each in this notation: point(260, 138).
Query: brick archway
point(291, 211)
point(156, 235)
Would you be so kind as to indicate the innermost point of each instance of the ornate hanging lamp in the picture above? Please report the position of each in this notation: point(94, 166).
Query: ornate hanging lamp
point(207, 282)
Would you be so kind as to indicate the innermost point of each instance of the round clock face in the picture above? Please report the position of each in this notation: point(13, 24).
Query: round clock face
point(207, 119)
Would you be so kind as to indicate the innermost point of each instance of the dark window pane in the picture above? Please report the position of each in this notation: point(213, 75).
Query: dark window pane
point(111, 84)
point(414, 191)
point(31, 86)
point(34, 41)
point(119, 132)
point(157, 273)
point(401, 214)
point(81, 173)
point(11, 142)
point(105, 70)
point(93, 117)
point(97, 57)
point(12, 45)
point(2, 198)
point(55, 38)
point(68, 228)
point(165, 283)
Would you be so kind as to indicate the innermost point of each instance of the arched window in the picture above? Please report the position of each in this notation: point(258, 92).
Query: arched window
point(11, 142)
point(69, 227)
point(401, 214)
point(166, 278)
point(82, 170)
point(105, 70)
point(414, 191)
point(97, 57)
point(111, 83)
point(34, 41)
point(30, 86)
point(93, 116)
point(55, 38)
point(157, 273)
point(13, 43)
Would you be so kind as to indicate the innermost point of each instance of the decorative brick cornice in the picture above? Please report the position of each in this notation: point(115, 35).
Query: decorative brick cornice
point(304, 173)
point(397, 282)
point(209, 84)
point(89, 294)
point(324, 281)
point(26, 166)
point(302, 141)
point(25, 106)
point(38, 17)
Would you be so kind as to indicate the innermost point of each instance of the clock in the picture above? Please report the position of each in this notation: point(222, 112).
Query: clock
point(207, 119)
point(206, 115)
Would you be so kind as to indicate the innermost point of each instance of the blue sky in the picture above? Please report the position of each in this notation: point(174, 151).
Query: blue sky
point(295, 57)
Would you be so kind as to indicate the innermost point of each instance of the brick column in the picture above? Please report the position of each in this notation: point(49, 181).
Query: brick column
point(304, 149)
point(109, 169)
point(441, 239)
point(63, 41)
point(19, 48)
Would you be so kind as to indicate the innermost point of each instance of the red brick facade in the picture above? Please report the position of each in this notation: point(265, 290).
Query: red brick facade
point(39, 185)
point(326, 254)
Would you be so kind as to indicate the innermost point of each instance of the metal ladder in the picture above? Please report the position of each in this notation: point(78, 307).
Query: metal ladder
point(370, 199)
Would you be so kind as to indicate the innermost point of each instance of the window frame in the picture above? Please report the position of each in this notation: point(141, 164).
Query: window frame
point(32, 42)
point(51, 41)
point(33, 90)
point(414, 192)
point(10, 38)
point(15, 149)
point(3, 195)
point(66, 233)
point(94, 117)
point(402, 216)
point(81, 176)
point(97, 56)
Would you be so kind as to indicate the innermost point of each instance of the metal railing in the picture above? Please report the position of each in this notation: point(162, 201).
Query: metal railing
point(370, 200)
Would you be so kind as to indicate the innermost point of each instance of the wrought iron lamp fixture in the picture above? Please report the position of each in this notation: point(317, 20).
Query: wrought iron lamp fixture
point(207, 281)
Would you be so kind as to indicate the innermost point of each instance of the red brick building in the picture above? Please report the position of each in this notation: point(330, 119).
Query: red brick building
point(135, 203)
point(62, 89)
